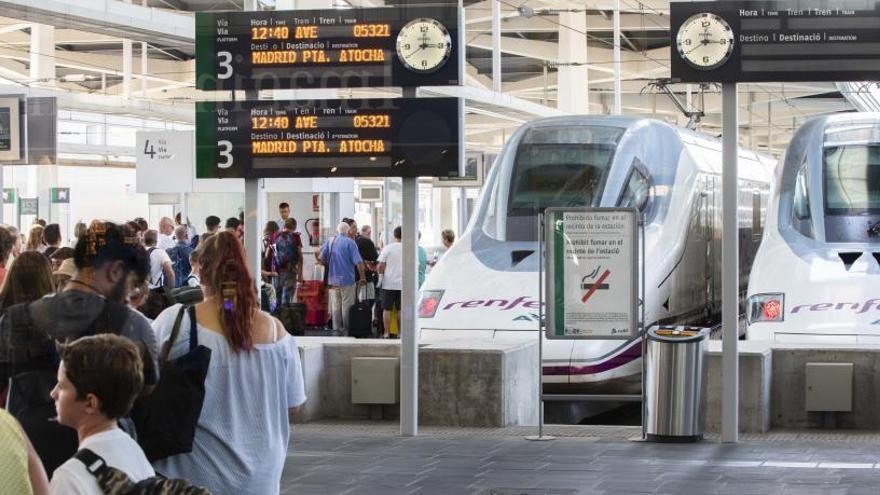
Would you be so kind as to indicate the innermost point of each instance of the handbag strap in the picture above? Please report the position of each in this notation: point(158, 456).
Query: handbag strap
point(193, 329)
point(175, 331)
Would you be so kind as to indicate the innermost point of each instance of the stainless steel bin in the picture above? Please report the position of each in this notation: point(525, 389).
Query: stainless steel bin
point(675, 383)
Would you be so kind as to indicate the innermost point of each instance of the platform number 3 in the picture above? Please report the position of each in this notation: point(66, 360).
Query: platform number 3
point(225, 151)
point(225, 65)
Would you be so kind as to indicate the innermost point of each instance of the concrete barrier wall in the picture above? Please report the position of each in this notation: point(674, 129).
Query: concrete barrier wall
point(789, 363)
point(489, 385)
point(755, 387)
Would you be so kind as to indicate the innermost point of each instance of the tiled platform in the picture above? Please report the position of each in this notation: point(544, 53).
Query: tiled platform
point(370, 458)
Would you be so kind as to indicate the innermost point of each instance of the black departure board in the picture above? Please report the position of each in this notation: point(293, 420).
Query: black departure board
point(394, 137)
point(746, 41)
point(404, 46)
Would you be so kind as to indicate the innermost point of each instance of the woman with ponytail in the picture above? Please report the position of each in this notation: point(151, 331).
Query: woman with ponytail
point(254, 379)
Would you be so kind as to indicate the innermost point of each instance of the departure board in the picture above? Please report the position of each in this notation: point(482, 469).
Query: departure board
point(745, 41)
point(401, 46)
point(394, 137)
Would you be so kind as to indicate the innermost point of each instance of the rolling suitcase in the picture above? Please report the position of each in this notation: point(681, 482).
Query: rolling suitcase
point(360, 318)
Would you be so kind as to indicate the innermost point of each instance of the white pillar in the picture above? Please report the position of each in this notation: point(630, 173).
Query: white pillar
point(496, 46)
point(409, 330)
point(616, 58)
point(42, 54)
point(572, 93)
point(126, 69)
point(729, 265)
point(144, 85)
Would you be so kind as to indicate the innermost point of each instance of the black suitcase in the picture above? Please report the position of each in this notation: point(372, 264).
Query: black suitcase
point(360, 320)
point(293, 317)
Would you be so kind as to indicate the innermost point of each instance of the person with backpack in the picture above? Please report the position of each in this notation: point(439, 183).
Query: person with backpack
point(99, 378)
point(107, 258)
point(179, 256)
point(288, 261)
point(161, 276)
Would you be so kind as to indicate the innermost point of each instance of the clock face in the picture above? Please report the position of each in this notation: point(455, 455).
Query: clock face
point(705, 41)
point(424, 45)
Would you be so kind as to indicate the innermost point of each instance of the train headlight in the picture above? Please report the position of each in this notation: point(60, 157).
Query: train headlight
point(429, 303)
point(766, 307)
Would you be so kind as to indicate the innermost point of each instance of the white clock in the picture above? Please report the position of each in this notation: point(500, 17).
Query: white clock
point(424, 45)
point(705, 41)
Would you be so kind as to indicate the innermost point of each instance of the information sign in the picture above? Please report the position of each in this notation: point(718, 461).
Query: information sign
point(29, 206)
point(591, 273)
point(9, 195)
point(405, 45)
point(754, 41)
point(59, 195)
point(395, 137)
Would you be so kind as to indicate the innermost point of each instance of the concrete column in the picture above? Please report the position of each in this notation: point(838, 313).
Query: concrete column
point(144, 85)
point(42, 54)
point(496, 46)
point(572, 93)
point(616, 57)
point(729, 265)
point(126, 69)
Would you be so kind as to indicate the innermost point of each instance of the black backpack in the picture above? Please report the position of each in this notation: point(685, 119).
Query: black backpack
point(33, 363)
point(166, 419)
point(115, 482)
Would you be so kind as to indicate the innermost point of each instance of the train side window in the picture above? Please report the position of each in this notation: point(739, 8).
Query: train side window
point(801, 195)
point(638, 189)
point(757, 219)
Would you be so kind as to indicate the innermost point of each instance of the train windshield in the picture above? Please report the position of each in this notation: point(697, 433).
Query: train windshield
point(852, 179)
point(557, 166)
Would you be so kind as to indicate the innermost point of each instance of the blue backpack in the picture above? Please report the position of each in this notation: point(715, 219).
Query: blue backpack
point(285, 250)
point(179, 255)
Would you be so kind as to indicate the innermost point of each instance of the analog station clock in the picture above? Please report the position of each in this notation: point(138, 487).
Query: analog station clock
point(424, 45)
point(705, 41)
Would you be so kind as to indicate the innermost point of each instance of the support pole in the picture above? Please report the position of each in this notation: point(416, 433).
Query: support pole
point(144, 59)
point(126, 69)
point(409, 330)
point(496, 46)
point(616, 58)
point(253, 242)
point(463, 213)
point(409, 334)
point(729, 266)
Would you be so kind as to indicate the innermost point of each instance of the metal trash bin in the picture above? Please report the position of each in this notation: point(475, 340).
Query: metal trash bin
point(675, 383)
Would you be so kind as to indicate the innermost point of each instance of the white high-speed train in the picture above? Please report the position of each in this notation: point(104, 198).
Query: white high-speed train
point(816, 277)
point(486, 286)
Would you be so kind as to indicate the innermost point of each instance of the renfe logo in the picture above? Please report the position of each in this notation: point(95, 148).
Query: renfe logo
point(501, 304)
point(858, 308)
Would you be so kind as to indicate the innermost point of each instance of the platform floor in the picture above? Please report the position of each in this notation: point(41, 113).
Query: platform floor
point(329, 458)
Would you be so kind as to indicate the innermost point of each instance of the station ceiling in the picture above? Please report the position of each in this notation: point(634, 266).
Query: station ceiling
point(88, 58)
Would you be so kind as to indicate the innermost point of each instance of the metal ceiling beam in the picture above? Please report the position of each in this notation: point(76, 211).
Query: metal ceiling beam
point(630, 21)
point(107, 17)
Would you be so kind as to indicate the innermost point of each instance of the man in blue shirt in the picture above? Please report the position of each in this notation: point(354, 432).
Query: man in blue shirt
point(340, 257)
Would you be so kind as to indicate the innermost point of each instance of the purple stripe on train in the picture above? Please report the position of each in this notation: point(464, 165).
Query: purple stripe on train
point(633, 352)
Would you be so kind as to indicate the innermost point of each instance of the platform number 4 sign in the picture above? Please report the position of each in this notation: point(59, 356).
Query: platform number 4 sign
point(149, 149)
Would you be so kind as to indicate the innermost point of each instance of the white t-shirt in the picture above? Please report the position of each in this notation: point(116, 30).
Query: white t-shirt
point(158, 257)
point(392, 256)
point(165, 242)
point(117, 449)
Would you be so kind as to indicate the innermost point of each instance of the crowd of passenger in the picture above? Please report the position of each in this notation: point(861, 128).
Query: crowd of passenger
point(100, 397)
point(138, 355)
